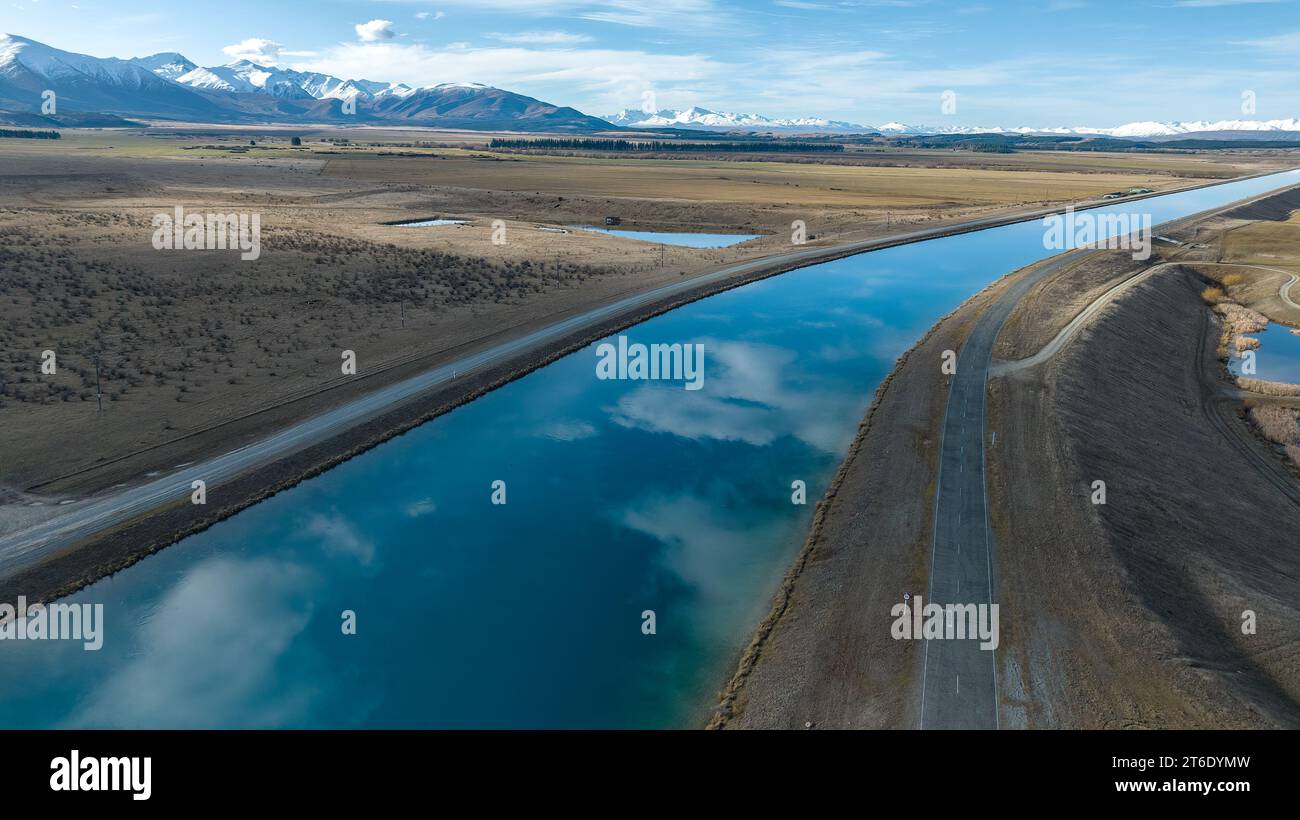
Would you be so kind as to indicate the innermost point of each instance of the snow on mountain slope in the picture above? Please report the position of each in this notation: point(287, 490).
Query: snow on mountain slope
point(252, 78)
point(696, 117)
point(703, 118)
point(169, 65)
point(19, 53)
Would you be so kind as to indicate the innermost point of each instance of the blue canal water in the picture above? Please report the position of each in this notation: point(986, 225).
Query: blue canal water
point(621, 497)
point(686, 240)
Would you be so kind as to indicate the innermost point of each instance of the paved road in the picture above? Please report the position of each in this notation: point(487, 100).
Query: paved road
point(1285, 291)
point(81, 520)
point(1001, 368)
point(1053, 347)
point(959, 682)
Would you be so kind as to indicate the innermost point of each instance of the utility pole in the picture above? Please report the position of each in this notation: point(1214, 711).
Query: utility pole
point(661, 254)
point(99, 394)
point(402, 305)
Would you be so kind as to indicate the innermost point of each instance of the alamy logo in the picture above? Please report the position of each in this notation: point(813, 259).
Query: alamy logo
point(75, 773)
point(212, 232)
point(53, 622)
point(1130, 232)
point(673, 362)
point(953, 622)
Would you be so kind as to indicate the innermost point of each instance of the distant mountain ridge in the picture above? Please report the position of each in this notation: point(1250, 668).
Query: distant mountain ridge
point(169, 86)
point(696, 117)
point(706, 119)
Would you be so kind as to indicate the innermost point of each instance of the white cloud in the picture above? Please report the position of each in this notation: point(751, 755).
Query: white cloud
point(1209, 4)
point(425, 15)
point(255, 49)
point(667, 14)
point(1285, 43)
point(541, 38)
point(375, 31)
point(592, 79)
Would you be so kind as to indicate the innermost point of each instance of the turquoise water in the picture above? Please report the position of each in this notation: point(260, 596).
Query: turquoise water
point(686, 240)
point(1278, 357)
point(430, 223)
point(622, 496)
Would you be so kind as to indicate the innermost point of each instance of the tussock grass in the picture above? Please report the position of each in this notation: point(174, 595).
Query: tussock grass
point(1237, 319)
point(1277, 424)
point(1268, 388)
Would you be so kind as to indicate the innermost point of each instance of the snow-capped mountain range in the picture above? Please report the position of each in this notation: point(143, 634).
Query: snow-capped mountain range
point(169, 86)
point(705, 119)
point(99, 92)
point(697, 117)
point(252, 78)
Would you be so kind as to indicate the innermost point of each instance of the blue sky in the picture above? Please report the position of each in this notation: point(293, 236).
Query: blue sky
point(1055, 62)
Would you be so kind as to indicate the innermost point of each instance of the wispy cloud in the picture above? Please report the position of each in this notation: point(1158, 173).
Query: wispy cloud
point(1285, 43)
point(683, 15)
point(1209, 4)
point(540, 38)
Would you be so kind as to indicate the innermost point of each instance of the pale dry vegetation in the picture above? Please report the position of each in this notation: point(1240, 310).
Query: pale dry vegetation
point(1267, 388)
point(1237, 320)
point(1279, 425)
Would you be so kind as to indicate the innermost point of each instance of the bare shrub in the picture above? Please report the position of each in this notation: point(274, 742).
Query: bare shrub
point(1268, 388)
point(1277, 424)
point(1238, 319)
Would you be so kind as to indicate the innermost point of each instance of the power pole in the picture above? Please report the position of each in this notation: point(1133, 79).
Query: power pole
point(402, 305)
point(99, 394)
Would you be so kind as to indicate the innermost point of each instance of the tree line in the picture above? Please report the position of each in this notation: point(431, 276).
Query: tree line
point(29, 135)
point(664, 147)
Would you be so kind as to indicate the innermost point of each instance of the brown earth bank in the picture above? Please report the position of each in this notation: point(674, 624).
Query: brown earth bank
point(1129, 614)
point(1123, 615)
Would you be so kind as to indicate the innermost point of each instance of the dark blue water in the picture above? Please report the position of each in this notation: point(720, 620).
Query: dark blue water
point(622, 496)
point(1278, 357)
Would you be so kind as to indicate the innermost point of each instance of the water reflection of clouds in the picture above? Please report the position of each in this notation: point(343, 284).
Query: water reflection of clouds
point(421, 508)
point(338, 536)
point(705, 547)
point(568, 430)
point(208, 656)
point(753, 393)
